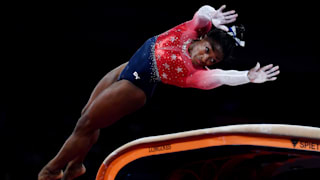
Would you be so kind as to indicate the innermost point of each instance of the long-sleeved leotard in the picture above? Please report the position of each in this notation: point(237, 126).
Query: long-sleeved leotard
point(174, 62)
point(166, 58)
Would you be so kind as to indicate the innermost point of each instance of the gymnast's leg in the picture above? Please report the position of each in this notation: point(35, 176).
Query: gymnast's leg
point(104, 83)
point(76, 167)
point(117, 100)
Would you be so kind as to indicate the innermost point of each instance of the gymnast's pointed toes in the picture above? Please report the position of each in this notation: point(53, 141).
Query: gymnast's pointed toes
point(46, 174)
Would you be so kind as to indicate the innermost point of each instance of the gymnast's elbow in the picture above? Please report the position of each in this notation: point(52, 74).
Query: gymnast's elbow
point(207, 85)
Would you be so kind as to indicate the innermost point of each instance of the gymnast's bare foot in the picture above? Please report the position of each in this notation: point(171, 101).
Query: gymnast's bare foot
point(46, 174)
point(73, 170)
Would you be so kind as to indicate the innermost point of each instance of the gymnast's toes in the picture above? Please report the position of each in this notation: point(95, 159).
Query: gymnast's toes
point(46, 174)
point(74, 171)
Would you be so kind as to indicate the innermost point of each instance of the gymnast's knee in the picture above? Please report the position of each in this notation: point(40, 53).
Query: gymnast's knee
point(129, 99)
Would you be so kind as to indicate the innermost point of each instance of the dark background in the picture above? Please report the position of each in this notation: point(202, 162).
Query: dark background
point(55, 52)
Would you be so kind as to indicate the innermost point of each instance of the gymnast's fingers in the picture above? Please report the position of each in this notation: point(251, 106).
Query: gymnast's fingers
point(273, 74)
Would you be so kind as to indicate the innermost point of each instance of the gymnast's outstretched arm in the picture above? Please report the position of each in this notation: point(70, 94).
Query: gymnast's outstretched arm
point(209, 79)
point(207, 16)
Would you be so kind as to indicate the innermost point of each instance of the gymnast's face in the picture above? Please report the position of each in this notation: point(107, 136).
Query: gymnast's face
point(203, 54)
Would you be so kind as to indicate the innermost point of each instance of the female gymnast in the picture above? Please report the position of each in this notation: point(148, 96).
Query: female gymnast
point(178, 57)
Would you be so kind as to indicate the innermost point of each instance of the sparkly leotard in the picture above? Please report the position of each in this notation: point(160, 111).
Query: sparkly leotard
point(171, 51)
point(166, 58)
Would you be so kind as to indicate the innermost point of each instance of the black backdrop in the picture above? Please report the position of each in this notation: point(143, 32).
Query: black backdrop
point(55, 53)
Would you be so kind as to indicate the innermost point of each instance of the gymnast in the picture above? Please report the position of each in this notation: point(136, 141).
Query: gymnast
point(180, 57)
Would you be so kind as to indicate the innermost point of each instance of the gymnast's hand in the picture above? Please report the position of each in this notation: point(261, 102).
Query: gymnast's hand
point(220, 18)
point(263, 74)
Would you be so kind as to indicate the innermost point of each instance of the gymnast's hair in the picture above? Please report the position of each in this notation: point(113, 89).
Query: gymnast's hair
point(226, 41)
